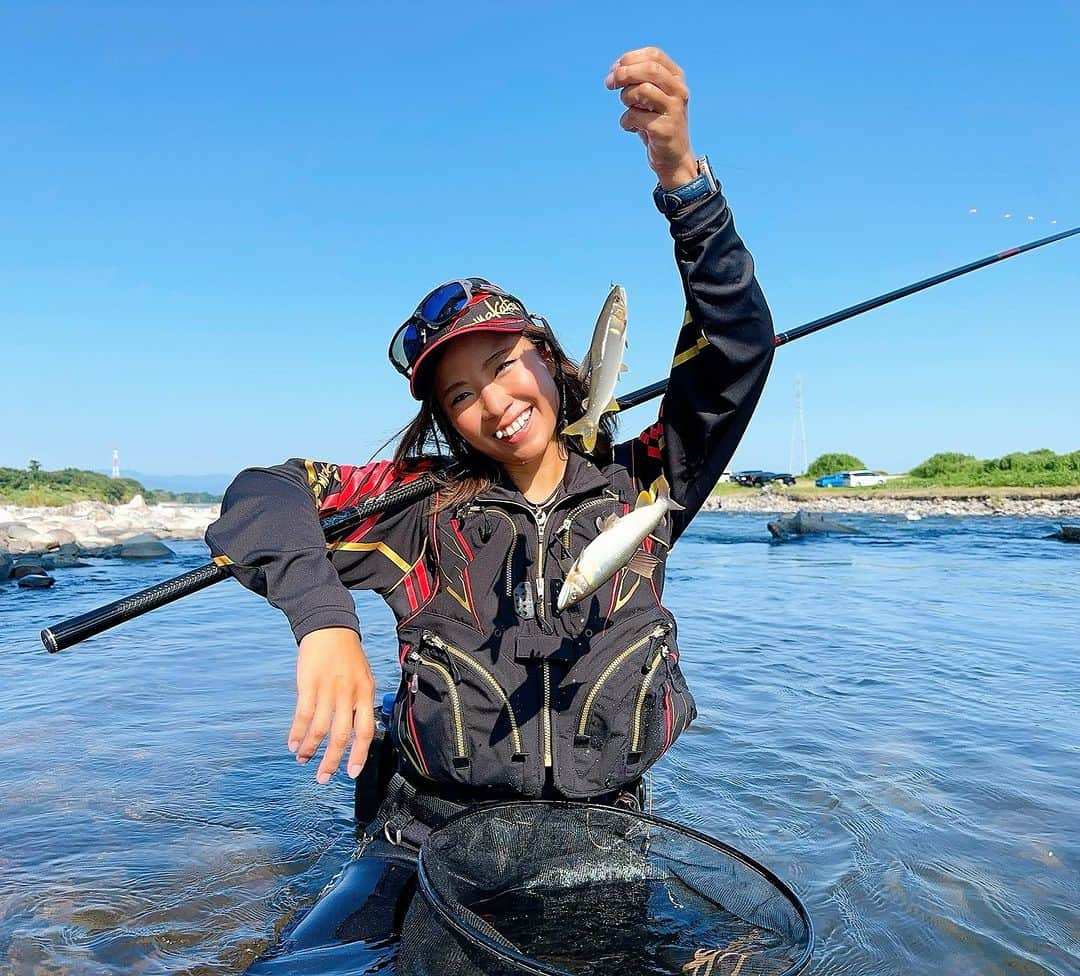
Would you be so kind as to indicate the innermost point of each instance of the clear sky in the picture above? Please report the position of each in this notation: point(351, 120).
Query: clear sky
point(213, 214)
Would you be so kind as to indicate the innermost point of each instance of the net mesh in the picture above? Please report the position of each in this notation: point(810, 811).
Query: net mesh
point(566, 888)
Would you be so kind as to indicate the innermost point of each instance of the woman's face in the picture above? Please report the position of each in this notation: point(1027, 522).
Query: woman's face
point(498, 391)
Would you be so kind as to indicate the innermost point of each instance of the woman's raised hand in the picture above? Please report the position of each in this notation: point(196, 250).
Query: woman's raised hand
point(335, 695)
point(653, 87)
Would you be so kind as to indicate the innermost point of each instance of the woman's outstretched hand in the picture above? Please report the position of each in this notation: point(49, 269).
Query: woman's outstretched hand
point(335, 694)
point(653, 87)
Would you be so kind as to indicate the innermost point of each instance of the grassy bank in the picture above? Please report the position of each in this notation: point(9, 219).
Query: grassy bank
point(35, 488)
point(901, 488)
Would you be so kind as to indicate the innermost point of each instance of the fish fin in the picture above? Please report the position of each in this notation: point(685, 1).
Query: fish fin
point(643, 563)
point(584, 403)
point(661, 489)
point(586, 430)
point(584, 371)
point(608, 522)
point(623, 368)
point(643, 499)
point(612, 407)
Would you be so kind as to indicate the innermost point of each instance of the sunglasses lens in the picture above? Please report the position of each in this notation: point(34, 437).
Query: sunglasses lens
point(405, 347)
point(443, 303)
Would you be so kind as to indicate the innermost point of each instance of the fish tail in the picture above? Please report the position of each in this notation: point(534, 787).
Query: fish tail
point(585, 429)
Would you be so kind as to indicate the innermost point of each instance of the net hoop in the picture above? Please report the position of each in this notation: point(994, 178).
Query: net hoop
point(435, 901)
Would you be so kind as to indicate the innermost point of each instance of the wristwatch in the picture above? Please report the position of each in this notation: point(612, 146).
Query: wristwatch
point(669, 202)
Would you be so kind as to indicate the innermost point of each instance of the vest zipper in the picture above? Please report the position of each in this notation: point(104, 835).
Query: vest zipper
point(639, 704)
point(655, 634)
point(549, 760)
point(486, 676)
point(540, 518)
point(509, 563)
point(457, 718)
point(567, 523)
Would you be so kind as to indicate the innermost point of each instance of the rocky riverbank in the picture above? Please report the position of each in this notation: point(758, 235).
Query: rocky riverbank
point(1053, 509)
point(90, 527)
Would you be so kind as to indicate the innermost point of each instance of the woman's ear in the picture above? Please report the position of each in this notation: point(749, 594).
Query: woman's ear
point(548, 357)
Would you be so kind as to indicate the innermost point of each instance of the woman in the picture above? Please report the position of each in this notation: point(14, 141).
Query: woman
point(501, 695)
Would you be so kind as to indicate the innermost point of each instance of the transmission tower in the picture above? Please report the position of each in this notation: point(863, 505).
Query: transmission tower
point(116, 462)
point(798, 461)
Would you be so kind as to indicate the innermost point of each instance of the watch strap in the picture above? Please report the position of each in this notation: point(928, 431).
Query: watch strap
point(671, 201)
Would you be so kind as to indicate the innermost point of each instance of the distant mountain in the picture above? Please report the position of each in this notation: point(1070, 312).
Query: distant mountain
point(213, 483)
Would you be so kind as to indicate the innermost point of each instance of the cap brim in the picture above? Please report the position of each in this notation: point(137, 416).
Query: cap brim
point(514, 325)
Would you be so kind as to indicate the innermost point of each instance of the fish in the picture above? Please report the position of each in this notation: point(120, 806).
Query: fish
point(601, 368)
point(616, 547)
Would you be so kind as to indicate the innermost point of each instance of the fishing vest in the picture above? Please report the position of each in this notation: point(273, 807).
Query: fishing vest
point(498, 690)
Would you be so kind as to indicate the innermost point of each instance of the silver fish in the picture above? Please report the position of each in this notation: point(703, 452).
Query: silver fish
point(601, 368)
point(617, 545)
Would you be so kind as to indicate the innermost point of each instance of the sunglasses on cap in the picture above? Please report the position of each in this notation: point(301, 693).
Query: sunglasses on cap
point(438, 309)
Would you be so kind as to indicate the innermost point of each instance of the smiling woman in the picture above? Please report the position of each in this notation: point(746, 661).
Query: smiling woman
point(507, 691)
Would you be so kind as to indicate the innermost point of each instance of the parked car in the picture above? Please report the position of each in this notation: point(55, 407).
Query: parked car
point(755, 479)
point(861, 479)
point(850, 479)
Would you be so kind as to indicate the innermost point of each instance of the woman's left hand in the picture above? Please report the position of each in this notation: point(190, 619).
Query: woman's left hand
point(654, 89)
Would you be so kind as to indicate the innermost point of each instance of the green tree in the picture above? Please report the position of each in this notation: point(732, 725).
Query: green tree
point(34, 466)
point(828, 463)
point(945, 464)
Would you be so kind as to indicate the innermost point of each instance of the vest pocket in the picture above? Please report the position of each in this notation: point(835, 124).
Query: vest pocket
point(455, 722)
point(614, 738)
point(663, 709)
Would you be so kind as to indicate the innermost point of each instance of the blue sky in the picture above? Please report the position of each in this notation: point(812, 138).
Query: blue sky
point(213, 215)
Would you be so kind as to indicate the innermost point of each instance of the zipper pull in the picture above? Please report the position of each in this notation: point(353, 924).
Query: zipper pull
point(414, 683)
point(434, 640)
point(654, 662)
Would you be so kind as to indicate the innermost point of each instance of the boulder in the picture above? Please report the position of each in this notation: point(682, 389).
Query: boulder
point(19, 538)
point(85, 509)
point(5, 566)
point(27, 567)
point(61, 561)
point(36, 581)
point(138, 503)
point(146, 545)
point(807, 523)
point(100, 549)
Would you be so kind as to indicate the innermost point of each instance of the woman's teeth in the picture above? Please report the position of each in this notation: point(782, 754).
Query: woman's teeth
point(510, 429)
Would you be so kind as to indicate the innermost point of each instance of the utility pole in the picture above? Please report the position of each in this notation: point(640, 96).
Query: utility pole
point(798, 434)
point(116, 462)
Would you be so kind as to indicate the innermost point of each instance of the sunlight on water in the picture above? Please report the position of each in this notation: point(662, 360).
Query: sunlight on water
point(888, 721)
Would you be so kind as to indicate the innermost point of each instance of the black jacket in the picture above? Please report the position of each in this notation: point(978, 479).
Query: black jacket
point(498, 690)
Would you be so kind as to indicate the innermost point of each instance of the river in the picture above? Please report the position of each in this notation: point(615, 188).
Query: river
point(889, 721)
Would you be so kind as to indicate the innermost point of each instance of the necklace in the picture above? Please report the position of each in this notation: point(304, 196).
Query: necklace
point(537, 506)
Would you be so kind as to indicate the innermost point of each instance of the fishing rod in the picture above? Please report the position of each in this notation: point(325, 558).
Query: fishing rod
point(647, 393)
point(75, 629)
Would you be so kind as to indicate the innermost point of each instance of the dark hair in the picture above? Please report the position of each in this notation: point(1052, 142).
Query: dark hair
point(430, 436)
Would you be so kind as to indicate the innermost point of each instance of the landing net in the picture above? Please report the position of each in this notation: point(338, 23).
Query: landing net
point(586, 890)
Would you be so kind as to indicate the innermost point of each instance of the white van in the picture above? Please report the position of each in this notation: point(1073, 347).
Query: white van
point(863, 479)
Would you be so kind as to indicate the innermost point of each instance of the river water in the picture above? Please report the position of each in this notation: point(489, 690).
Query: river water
point(890, 721)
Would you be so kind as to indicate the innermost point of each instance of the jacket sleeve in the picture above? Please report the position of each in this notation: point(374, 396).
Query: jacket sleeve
point(270, 538)
point(722, 358)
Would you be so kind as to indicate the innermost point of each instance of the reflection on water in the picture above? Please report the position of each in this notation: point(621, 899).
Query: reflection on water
point(888, 721)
